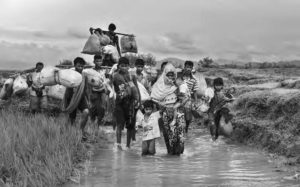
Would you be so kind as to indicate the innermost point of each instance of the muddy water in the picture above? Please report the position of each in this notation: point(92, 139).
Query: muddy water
point(204, 163)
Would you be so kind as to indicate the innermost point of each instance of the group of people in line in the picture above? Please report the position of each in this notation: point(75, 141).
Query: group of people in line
point(168, 111)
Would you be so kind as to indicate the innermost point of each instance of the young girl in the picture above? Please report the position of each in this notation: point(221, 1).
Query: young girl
point(149, 123)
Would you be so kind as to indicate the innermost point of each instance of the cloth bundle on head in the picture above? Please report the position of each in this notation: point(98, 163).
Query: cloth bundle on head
point(164, 87)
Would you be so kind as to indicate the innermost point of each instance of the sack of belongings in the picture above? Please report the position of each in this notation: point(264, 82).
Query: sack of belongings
point(20, 85)
point(128, 44)
point(92, 45)
point(93, 77)
point(202, 105)
point(143, 92)
point(69, 78)
point(111, 50)
point(56, 91)
point(225, 128)
point(7, 89)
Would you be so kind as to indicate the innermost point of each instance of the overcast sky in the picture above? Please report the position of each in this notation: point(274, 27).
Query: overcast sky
point(244, 30)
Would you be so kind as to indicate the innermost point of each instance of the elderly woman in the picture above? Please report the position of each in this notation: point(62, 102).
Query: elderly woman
point(171, 95)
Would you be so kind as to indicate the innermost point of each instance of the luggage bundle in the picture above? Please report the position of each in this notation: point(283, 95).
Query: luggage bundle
point(7, 89)
point(93, 77)
point(95, 42)
point(19, 85)
point(69, 78)
point(56, 91)
point(128, 44)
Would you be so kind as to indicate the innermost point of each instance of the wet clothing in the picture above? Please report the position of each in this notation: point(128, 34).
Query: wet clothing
point(126, 104)
point(214, 113)
point(99, 98)
point(172, 123)
point(148, 147)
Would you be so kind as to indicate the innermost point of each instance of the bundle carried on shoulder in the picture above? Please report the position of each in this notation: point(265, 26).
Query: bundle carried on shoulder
point(95, 42)
point(69, 78)
point(128, 44)
point(93, 77)
point(92, 45)
point(20, 85)
point(56, 91)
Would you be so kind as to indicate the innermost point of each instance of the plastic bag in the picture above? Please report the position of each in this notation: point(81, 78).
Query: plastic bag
point(225, 128)
point(92, 45)
point(143, 92)
point(128, 44)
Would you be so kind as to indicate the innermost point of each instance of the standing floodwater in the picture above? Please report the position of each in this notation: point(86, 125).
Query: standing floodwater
point(204, 163)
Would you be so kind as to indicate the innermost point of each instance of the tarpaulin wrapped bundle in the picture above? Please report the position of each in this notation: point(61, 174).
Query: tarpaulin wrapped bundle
point(51, 76)
point(92, 45)
point(128, 44)
point(111, 50)
point(56, 91)
point(7, 89)
point(93, 77)
point(20, 85)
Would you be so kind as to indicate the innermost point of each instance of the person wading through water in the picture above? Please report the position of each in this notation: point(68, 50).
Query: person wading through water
point(77, 99)
point(171, 97)
point(127, 101)
point(99, 94)
point(187, 76)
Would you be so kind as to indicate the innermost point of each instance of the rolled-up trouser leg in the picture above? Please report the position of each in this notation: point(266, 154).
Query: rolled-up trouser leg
point(84, 118)
point(119, 133)
point(145, 146)
point(151, 149)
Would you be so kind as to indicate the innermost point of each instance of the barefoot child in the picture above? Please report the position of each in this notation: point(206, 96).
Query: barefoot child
point(149, 123)
point(217, 107)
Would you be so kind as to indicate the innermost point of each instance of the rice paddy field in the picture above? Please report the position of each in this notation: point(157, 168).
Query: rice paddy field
point(41, 150)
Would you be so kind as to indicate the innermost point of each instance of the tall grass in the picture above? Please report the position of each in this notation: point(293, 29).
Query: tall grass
point(37, 150)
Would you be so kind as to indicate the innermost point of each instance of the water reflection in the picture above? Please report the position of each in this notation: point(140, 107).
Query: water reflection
point(203, 163)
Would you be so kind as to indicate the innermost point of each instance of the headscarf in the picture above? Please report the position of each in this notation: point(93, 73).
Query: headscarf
point(164, 86)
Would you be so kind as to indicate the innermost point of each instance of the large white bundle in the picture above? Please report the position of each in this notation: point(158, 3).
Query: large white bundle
point(112, 50)
point(47, 76)
point(93, 77)
point(143, 91)
point(202, 105)
point(20, 85)
point(7, 89)
point(56, 91)
point(67, 77)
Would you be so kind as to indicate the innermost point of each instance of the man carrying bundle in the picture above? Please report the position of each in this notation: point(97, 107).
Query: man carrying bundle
point(98, 93)
point(113, 36)
point(38, 96)
point(127, 101)
point(77, 99)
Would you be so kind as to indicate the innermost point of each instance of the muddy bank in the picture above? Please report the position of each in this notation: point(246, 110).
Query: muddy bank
point(270, 119)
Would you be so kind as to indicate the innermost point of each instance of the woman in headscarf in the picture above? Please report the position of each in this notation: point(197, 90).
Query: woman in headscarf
point(171, 95)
